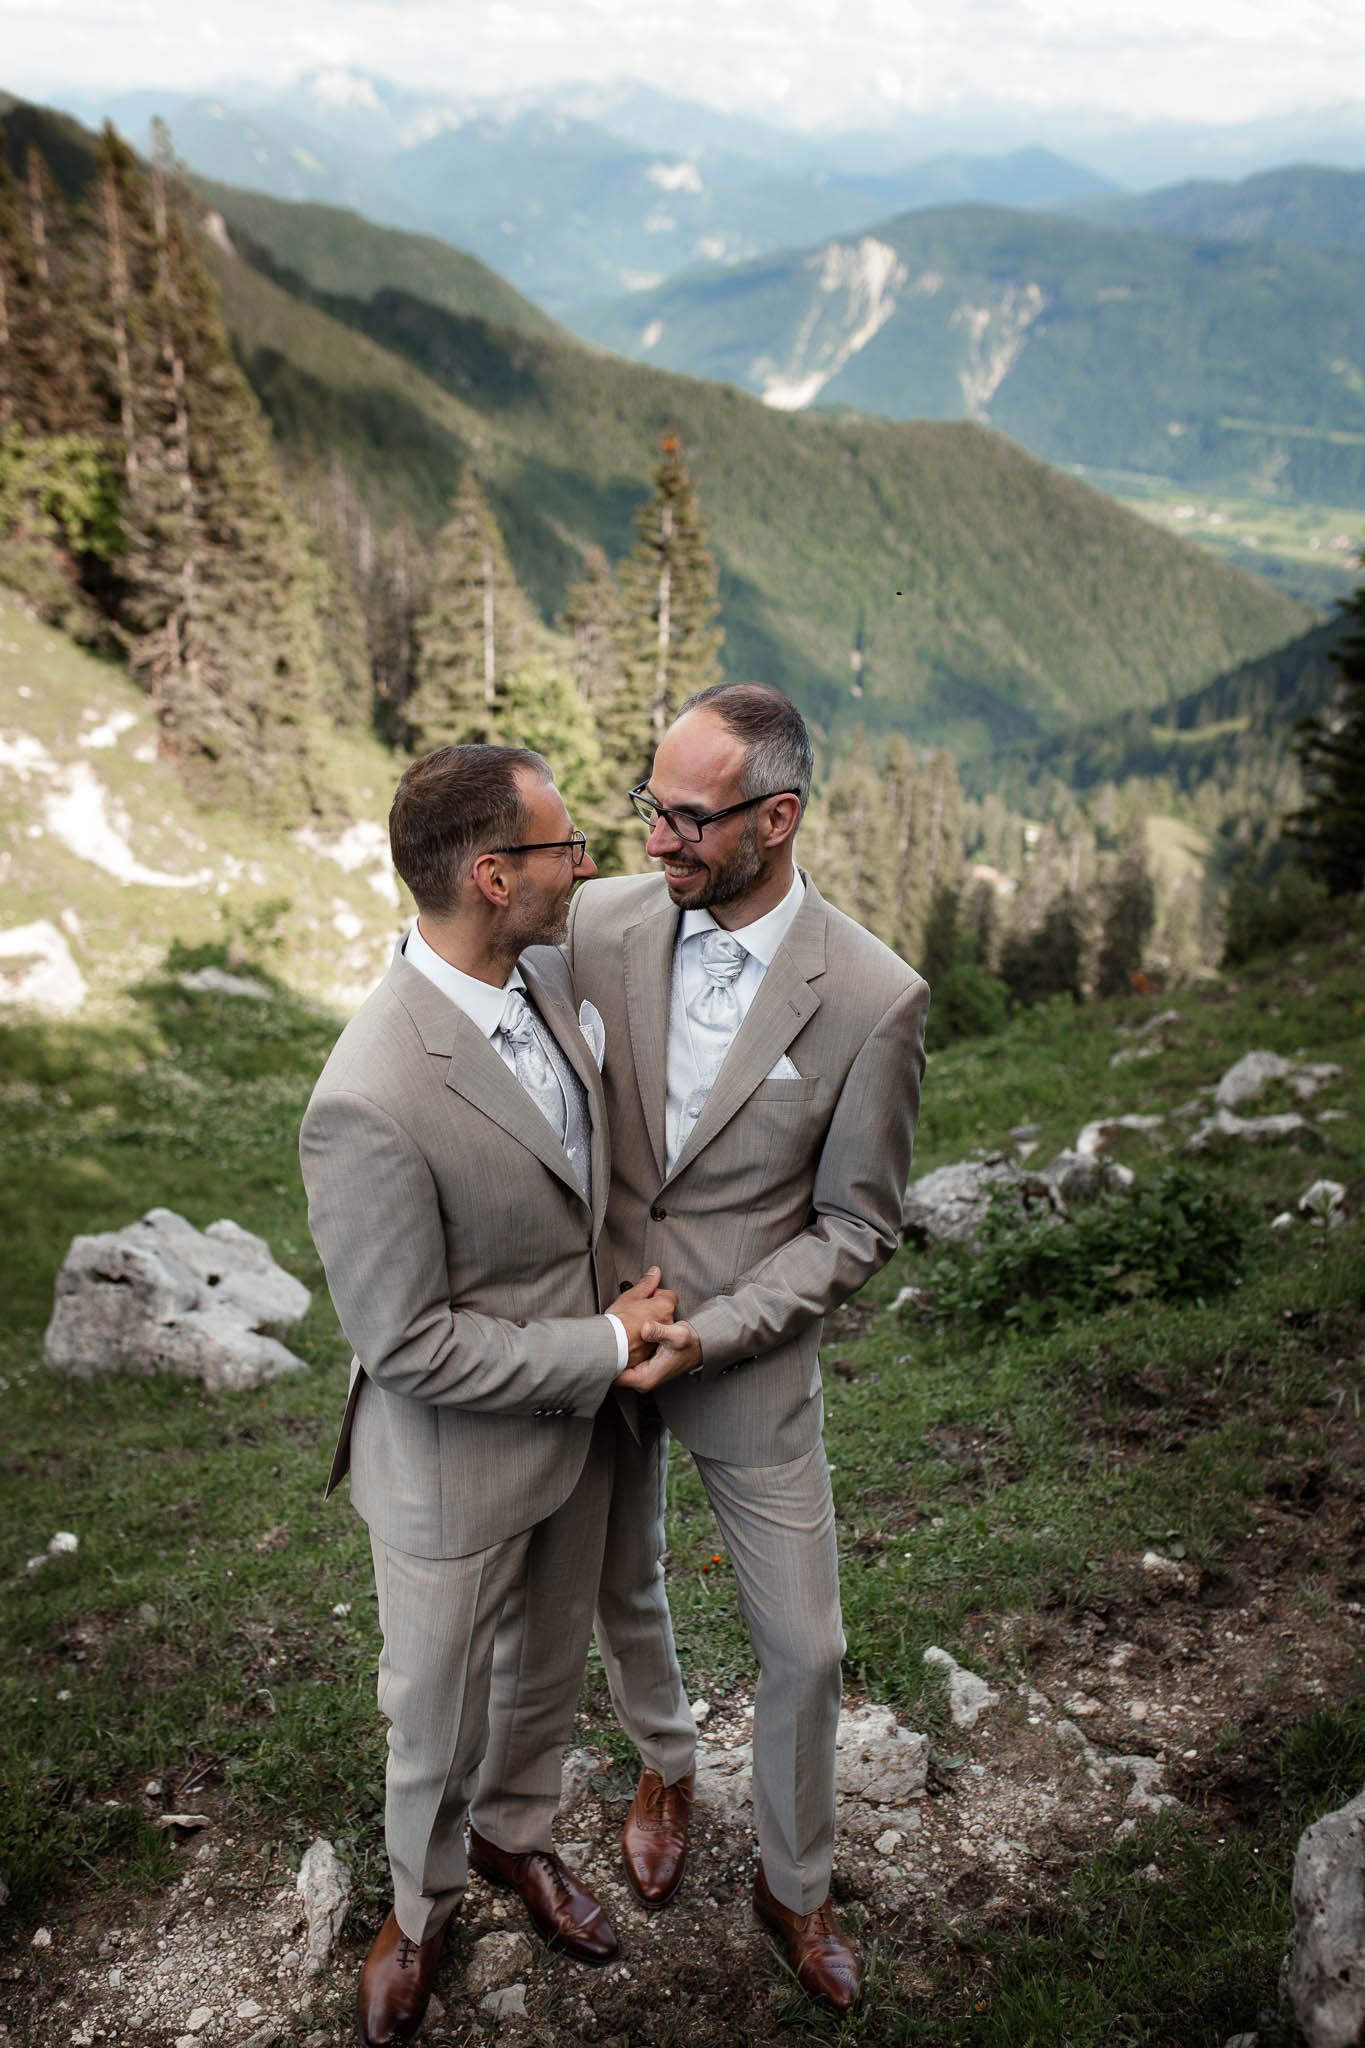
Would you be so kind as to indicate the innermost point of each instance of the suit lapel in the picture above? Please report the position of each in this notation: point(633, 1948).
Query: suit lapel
point(560, 1018)
point(476, 1070)
point(784, 1004)
point(647, 956)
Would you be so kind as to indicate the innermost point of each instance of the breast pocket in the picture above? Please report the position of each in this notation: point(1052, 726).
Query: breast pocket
point(789, 1088)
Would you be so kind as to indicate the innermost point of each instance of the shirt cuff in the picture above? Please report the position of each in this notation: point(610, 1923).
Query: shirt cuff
point(622, 1341)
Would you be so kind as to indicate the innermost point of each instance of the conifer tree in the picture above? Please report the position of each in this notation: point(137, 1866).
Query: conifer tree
point(225, 636)
point(1130, 911)
point(474, 630)
point(395, 573)
point(596, 617)
point(542, 709)
point(1329, 826)
point(123, 287)
point(851, 851)
point(14, 268)
point(1046, 961)
point(51, 341)
point(668, 585)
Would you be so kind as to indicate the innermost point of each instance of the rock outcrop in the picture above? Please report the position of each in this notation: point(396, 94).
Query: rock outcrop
point(1327, 1949)
point(161, 1296)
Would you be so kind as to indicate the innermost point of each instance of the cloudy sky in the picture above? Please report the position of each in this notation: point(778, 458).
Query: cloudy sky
point(802, 60)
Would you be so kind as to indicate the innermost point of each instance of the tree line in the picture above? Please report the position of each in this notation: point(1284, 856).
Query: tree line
point(143, 507)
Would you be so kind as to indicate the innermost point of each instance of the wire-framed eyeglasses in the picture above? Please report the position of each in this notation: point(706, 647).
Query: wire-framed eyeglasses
point(576, 845)
point(686, 824)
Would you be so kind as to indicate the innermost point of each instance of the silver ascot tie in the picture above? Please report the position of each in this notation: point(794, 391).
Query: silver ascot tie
point(533, 1067)
point(716, 1017)
point(715, 1004)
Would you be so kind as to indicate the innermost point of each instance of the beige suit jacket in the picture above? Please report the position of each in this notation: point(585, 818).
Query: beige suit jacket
point(789, 1193)
point(465, 1266)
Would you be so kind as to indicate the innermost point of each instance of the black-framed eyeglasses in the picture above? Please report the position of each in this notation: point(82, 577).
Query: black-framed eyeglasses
point(686, 824)
point(576, 845)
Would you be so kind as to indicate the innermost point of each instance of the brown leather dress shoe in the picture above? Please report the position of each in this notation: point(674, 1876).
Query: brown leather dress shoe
point(395, 1985)
point(654, 1838)
point(820, 1953)
point(563, 1912)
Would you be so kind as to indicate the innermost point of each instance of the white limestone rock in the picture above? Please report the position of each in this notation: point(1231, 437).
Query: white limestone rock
point(1244, 1081)
point(1092, 1138)
point(1321, 1203)
point(878, 1761)
point(216, 981)
point(161, 1296)
point(1327, 1948)
point(324, 1885)
point(575, 1779)
point(1256, 1130)
point(950, 1205)
point(1076, 1175)
point(968, 1695)
point(496, 1960)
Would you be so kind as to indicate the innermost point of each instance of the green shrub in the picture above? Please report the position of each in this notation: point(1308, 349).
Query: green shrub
point(1262, 917)
point(1180, 1237)
point(967, 1003)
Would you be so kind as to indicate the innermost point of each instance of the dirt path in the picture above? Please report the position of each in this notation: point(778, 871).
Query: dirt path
point(1173, 1690)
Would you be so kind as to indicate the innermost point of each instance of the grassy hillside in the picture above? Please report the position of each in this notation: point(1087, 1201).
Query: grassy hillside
point(1312, 204)
point(104, 848)
point(332, 250)
point(1197, 362)
point(211, 1643)
point(995, 597)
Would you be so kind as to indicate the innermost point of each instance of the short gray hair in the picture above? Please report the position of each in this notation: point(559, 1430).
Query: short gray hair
point(778, 752)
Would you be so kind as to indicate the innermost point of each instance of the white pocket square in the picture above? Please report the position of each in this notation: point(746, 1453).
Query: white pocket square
point(783, 1071)
point(594, 1030)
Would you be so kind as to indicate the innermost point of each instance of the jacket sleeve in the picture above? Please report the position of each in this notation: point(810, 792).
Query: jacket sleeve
point(857, 1202)
point(376, 1220)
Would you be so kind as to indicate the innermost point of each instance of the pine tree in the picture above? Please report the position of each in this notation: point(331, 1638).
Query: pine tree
point(475, 629)
point(15, 258)
point(849, 842)
point(395, 574)
point(1130, 911)
point(52, 339)
point(1329, 826)
point(668, 586)
point(220, 598)
point(543, 709)
point(339, 539)
point(1046, 961)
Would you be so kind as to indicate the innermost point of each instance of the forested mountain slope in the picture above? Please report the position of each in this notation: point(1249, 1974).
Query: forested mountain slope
point(993, 596)
point(1202, 362)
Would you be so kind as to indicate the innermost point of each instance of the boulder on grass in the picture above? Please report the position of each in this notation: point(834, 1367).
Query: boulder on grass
point(161, 1296)
point(1327, 1948)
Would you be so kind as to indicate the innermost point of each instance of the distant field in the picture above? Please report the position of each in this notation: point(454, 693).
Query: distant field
point(1311, 550)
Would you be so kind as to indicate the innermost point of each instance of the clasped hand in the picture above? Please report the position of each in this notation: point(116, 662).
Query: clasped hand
point(660, 1348)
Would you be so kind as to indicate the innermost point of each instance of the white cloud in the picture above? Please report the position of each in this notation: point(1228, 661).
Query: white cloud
point(820, 59)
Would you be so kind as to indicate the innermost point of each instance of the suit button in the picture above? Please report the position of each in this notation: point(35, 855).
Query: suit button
point(658, 1213)
point(520, 1322)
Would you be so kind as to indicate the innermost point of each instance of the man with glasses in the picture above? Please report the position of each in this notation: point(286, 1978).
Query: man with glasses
point(455, 1157)
point(763, 1075)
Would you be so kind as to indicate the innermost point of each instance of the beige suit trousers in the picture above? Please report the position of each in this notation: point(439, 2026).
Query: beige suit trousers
point(454, 1647)
point(777, 1525)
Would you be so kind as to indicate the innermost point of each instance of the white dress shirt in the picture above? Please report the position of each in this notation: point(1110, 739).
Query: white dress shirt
point(760, 941)
point(483, 1005)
